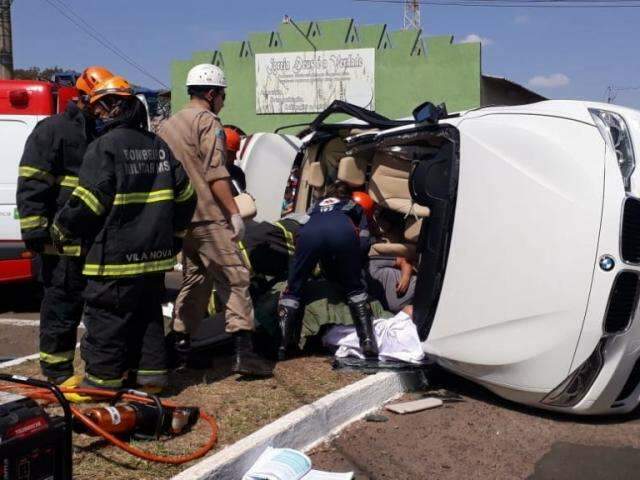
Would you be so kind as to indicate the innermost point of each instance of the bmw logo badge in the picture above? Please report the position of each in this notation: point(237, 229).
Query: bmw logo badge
point(607, 263)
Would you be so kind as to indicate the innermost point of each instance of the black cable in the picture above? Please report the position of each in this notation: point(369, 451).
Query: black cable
point(525, 2)
point(528, 4)
point(105, 44)
point(106, 40)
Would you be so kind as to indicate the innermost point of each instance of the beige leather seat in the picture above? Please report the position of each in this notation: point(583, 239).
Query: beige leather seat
point(352, 171)
point(330, 155)
point(412, 229)
point(389, 185)
point(315, 175)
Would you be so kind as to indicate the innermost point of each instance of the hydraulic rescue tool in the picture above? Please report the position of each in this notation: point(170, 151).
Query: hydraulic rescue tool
point(140, 420)
point(36, 445)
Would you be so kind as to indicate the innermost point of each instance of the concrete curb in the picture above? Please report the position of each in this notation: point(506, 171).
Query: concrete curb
point(305, 427)
point(19, 360)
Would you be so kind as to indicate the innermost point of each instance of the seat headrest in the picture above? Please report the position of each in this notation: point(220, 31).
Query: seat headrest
point(316, 175)
point(351, 172)
point(389, 185)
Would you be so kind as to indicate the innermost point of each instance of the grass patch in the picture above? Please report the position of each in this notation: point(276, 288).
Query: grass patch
point(239, 406)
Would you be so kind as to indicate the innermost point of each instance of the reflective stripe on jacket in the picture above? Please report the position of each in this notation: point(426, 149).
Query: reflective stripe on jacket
point(133, 197)
point(49, 170)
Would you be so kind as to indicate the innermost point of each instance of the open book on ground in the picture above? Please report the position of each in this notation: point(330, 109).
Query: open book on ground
point(288, 464)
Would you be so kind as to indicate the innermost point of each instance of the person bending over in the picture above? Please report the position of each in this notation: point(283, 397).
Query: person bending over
point(332, 236)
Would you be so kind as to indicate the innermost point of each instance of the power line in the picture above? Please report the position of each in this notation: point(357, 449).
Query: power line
point(106, 40)
point(612, 91)
point(523, 4)
point(101, 39)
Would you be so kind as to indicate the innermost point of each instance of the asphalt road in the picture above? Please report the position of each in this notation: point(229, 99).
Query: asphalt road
point(19, 320)
point(477, 435)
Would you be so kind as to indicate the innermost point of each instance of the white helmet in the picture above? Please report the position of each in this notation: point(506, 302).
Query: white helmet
point(206, 74)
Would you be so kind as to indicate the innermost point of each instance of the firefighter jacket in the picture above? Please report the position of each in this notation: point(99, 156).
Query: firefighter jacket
point(49, 170)
point(132, 200)
point(268, 247)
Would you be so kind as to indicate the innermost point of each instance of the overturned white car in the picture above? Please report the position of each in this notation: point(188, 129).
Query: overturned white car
point(526, 223)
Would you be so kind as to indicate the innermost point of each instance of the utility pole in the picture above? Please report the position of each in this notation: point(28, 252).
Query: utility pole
point(611, 93)
point(6, 48)
point(411, 19)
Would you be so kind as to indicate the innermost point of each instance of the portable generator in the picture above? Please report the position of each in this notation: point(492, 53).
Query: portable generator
point(33, 444)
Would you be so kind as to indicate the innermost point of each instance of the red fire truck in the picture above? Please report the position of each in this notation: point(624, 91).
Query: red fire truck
point(22, 105)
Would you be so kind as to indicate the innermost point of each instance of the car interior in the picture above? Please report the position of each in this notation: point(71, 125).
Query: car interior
point(410, 173)
point(384, 177)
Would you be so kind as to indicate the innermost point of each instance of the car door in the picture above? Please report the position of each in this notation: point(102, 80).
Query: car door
point(267, 161)
point(522, 249)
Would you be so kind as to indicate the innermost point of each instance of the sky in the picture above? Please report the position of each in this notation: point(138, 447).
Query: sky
point(560, 53)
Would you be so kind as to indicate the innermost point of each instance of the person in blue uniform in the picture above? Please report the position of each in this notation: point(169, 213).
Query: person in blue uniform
point(335, 235)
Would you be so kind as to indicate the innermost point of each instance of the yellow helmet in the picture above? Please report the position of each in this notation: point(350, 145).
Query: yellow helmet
point(112, 86)
point(90, 77)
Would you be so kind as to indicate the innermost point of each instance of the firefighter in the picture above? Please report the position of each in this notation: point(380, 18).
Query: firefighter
point(211, 253)
point(132, 205)
point(334, 236)
point(48, 174)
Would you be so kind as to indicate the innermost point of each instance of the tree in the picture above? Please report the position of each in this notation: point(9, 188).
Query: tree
point(37, 73)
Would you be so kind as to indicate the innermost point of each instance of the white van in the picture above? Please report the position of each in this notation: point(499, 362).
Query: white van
point(22, 105)
point(526, 223)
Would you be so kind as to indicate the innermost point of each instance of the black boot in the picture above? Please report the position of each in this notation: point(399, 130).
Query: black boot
point(363, 320)
point(178, 349)
point(246, 361)
point(290, 326)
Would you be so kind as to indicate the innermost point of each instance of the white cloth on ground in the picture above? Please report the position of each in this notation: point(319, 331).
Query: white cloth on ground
point(397, 339)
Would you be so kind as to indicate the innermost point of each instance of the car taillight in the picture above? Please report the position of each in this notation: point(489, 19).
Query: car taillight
point(19, 98)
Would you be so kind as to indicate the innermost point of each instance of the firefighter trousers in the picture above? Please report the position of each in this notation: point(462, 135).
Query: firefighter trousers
point(125, 331)
point(209, 257)
point(60, 313)
point(330, 239)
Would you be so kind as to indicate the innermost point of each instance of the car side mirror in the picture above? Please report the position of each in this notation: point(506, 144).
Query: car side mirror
point(429, 113)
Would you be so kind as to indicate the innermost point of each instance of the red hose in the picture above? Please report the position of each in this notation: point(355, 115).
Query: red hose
point(45, 395)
